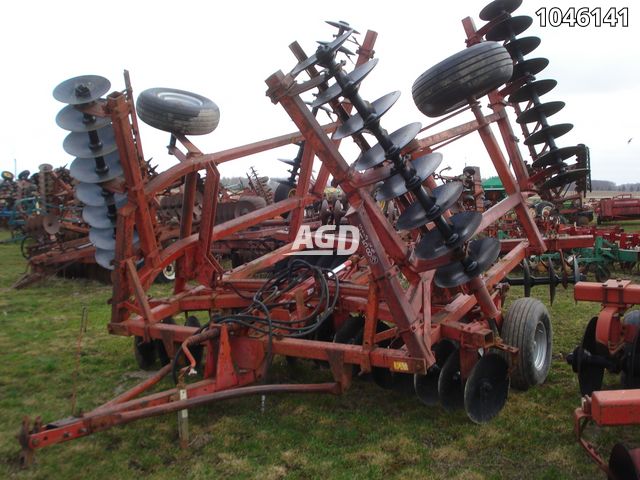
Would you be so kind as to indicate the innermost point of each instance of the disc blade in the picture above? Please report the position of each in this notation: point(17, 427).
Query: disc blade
point(526, 276)
point(50, 224)
point(105, 257)
point(497, 8)
point(396, 186)
point(521, 46)
point(531, 66)
point(565, 178)
point(105, 238)
point(432, 245)
point(84, 169)
point(78, 143)
point(509, 28)
point(450, 386)
point(552, 281)
point(356, 124)
point(342, 25)
point(624, 464)
point(555, 156)
point(487, 388)
point(527, 92)
point(426, 386)
point(546, 134)
point(99, 217)
point(589, 375)
point(288, 162)
point(93, 195)
point(355, 77)
point(376, 154)
point(75, 121)
point(83, 89)
point(444, 196)
point(482, 253)
point(543, 110)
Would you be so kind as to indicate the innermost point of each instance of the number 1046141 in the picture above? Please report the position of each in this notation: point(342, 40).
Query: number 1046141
point(583, 17)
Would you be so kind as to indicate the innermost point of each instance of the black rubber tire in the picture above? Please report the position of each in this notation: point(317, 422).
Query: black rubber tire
point(283, 192)
point(177, 111)
point(519, 330)
point(247, 204)
point(474, 71)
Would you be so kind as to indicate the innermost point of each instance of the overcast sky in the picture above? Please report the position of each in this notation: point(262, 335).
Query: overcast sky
point(225, 51)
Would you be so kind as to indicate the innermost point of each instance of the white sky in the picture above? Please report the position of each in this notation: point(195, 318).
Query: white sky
point(225, 51)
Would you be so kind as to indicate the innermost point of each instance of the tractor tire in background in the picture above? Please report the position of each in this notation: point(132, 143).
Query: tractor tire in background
point(283, 192)
point(473, 72)
point(177, 111)
point(527, 326)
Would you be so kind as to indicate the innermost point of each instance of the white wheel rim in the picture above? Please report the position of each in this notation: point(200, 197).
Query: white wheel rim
point(540, 346)
point(169, 272)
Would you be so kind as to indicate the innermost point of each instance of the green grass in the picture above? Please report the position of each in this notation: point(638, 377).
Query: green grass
point(366, 433)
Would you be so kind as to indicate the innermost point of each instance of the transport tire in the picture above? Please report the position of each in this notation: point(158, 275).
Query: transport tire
point(177, 111)
point(474, 71)
point(527, 326)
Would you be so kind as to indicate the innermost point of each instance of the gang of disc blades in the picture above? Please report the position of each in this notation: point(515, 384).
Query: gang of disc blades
point(497, 8)
point(396, 186)
point(531, 66)
point(450, 386)
point(432, 244)
point(545, 134)
point(522, 46)
point(355, 77)
point(487, 388)
point(509, 28)
point(426, 386)
point(69, 118)
point(77, 143)
point(105, 257)
point(444, 196)
point(93, 195)
point(483, 253)
point(376, 154)
point(537, 112)
point(355, 123)
point(313, 59)
point(527, 92)
point(82, 89)
point(555, 156)
point(565, 178)
point(624, 464)
point(84, 169)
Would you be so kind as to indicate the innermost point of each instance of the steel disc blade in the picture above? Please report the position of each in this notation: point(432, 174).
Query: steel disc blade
point(313, 59)
point(426, 386)
point(552, 281)
point(77, 143)
point(355, 124)
point(376, 154)
point(84, 169)
point(396, 186)
point(589, 376)
point(531, 66)
point(83, 89)
point(530, 90)
point(526, 276)
point(497, 8)
point(633, 365)
point(624, 464)
point(482, 253)
point(445, 196)
point(565, 178)
point(75, 121)
point(93, 195)
point(105, 257)
point(555, 156)
point(105, 238)
point(432, 245)
point(342, 25)
point(509, 28)
point(355, 77)
point(487, 388)
point(97, 217)
point(450, 386)
point(546, 134)
point(50, 224)
point(521, 46)
point(536, 113)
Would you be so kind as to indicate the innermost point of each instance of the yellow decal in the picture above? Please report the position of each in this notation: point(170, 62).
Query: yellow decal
point(401, 366)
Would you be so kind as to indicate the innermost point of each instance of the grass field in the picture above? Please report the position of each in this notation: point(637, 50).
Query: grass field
point(366, 433)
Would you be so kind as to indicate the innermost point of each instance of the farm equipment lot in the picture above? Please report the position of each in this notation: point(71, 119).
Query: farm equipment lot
point(366, 433)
